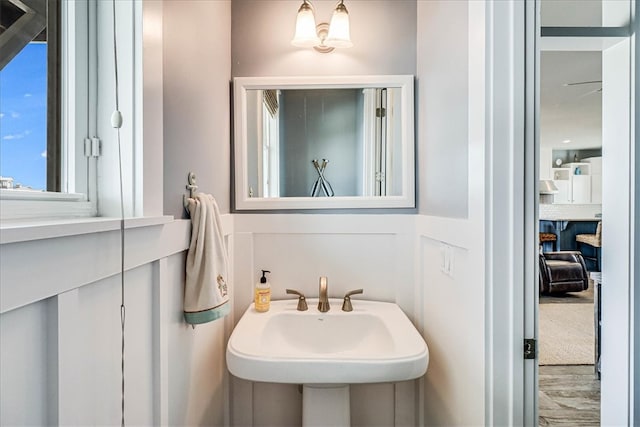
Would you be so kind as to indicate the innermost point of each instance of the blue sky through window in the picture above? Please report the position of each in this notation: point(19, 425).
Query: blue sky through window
point(23, 117)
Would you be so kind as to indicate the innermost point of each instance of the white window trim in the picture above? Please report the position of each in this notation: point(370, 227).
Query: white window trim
point(26, 231)
point(77, 34)
point(269, 155)
point(86, 112)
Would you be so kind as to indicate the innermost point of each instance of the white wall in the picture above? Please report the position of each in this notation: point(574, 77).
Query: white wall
point(451, 152)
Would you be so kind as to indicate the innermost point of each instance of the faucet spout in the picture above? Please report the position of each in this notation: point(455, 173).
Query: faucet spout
point(323, 303)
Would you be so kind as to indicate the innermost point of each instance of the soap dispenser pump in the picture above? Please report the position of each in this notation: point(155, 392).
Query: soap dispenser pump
point(262, 296)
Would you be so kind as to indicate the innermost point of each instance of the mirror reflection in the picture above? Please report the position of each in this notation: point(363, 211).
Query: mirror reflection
point(324, 142)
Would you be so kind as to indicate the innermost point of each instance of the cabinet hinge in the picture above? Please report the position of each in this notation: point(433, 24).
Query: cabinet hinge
point(530, 348)
point(381, 112)
point(92, 147)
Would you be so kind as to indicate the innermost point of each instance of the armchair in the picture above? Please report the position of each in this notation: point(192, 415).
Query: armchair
point(563, 271)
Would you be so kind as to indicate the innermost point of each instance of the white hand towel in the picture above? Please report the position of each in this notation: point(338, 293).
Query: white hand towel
point(206, 296)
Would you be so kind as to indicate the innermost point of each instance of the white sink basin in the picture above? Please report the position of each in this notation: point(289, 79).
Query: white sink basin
point(376, 342)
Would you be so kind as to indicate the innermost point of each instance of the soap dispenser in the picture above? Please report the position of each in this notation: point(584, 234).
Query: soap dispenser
point(262, 296)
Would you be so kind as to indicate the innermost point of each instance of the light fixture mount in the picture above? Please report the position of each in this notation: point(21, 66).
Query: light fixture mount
point(323, 30)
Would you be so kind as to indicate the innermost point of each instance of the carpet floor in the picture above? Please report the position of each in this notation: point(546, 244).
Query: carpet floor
point(584, 297)
point(566, 333)
point(568, 395)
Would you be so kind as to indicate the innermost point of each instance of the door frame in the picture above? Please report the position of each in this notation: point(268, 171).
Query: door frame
point(623, 407)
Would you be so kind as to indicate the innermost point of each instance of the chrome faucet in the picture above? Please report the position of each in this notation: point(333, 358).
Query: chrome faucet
point(323, 303)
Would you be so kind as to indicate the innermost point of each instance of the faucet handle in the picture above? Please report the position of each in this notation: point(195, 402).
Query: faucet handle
point(346, 304)
point(302, 301)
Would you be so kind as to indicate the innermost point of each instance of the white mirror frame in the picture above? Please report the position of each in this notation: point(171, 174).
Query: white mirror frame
point(242, 199)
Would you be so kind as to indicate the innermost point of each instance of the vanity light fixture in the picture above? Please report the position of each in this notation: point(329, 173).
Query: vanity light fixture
point(306, 35)
point(322, 37)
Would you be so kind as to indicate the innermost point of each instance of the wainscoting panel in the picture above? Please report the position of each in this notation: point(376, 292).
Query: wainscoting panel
point(60, 354)
point(24, 378)
point(366, 413)
point(98, 346)
point(373, 252)
point(349, 261)
point(276, 405)
point(452, 306)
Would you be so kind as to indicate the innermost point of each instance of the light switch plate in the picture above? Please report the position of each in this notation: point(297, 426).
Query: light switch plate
point(446, 259)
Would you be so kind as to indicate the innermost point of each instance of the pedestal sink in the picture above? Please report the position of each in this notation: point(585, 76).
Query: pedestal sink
point(325, 352)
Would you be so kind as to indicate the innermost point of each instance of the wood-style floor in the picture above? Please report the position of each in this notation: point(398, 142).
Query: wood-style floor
point(568, 396)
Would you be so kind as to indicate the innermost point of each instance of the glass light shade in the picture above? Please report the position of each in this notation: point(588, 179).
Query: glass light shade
point(306, 35)
point(339, 34)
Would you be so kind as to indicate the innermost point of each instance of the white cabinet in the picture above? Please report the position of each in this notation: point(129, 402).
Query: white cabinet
point(581, 189)
point(595, 170)
point(563, 195)
point(596, 189)
point(595, 165)
point(574, 184)
point(546, 163)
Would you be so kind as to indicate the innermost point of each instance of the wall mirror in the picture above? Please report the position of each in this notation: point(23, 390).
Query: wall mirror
point(324, 142)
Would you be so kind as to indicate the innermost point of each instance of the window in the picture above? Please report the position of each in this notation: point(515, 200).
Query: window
point(29, 104)
point(44, 112)
point(270, 144)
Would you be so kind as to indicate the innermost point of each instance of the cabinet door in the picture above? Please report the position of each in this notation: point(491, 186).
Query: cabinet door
point(581, 189)
point(596, 189)
point(562, 196)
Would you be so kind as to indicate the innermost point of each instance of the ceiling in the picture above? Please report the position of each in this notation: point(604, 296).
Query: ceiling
point(570, 112)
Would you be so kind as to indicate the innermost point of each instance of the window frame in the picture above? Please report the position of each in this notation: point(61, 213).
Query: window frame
point(71, 84)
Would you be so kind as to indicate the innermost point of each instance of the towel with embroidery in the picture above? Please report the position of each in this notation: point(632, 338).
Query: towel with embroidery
point(206, 293)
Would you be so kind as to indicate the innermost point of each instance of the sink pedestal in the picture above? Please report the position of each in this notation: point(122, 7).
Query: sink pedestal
point(374, 343)
point(326, 405)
